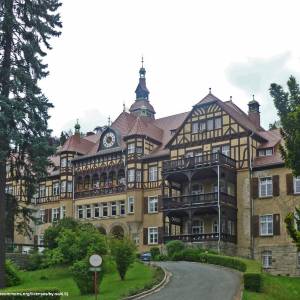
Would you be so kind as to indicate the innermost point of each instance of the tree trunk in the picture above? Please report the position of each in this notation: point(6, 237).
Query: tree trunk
point(4, 144)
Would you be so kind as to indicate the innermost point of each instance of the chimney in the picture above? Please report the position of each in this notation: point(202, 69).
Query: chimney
point(254, 113)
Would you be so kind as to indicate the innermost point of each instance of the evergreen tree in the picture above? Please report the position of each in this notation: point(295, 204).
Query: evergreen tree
point(288, 108)
point(63, 138)
point(26, 27)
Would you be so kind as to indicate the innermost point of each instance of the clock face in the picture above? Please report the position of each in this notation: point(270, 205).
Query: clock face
point(109, 140)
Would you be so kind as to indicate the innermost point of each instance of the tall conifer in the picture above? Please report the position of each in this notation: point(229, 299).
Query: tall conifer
point(26, 27)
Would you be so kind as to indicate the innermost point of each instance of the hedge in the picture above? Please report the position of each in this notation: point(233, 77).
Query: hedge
point(11, 274)
point(25, 294)
point(253, 282)
point(190, 254)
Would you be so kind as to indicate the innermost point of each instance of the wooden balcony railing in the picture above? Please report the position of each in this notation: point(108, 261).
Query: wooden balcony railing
point(46, 199)
point(201, 237)
point(198, 162)
point(100, 191)
point(187, 201)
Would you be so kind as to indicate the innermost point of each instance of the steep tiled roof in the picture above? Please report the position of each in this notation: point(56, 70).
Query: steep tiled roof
point(77, 144)
point(273, 138)
point(265, 161)
point(141, 104)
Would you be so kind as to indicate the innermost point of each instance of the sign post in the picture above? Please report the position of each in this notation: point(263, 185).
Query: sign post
point(95, 261)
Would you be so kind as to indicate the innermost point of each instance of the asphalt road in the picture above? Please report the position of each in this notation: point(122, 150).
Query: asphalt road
point(194, 281)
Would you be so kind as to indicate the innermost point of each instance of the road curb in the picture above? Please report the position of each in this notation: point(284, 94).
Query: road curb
point(154, 289)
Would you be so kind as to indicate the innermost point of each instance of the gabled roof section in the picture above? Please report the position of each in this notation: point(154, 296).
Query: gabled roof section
point(273, 138)
point(77, 144)
point(146, 127)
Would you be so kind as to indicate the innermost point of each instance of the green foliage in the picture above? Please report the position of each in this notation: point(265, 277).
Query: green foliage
point(123, 251)
point(253, 282)
point(290, 221)
point(174, 247)
point(226, 261)
point(11, 274)
point(288, 108)
point(45, 294)
point(51, 233)
point(84, 278)
point(155, 252)
point(71, 241)
point(34, 261)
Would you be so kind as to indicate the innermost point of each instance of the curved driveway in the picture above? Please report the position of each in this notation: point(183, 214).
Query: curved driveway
point(194, 281)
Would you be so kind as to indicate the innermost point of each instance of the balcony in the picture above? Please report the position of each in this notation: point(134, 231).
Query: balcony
point(46, 199)
point(100, 191)
point(199, 200)
point(201, 237)
point(201, 161)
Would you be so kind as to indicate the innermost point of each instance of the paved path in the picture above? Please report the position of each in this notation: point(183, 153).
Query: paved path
point(194, 281)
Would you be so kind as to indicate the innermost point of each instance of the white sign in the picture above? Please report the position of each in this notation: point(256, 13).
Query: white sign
point(95, 260)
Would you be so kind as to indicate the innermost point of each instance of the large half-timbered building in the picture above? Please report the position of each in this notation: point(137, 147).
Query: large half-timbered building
point(211, 176)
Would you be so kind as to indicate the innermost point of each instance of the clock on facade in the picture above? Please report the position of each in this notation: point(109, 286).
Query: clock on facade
point(109, 140)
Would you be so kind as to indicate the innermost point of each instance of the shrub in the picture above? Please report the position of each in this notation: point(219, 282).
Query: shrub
point(35, 260)
point(84, 278)
point(155, 252)
point(162, 257)
point(44, 294)
point(123, 251)
point(174, 247)
point(177, 256)
point(253, 282)
point(226, 261)
point(191, 254)
point(11, 275)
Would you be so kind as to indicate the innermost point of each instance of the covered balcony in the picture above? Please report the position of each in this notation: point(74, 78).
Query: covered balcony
point(98, 184)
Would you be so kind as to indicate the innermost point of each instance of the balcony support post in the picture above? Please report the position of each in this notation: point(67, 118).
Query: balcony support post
point(219, 210)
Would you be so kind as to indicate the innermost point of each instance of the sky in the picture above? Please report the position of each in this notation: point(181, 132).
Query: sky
point(236, 48)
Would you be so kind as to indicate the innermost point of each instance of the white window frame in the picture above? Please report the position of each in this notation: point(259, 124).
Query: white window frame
point(96, 207)
point(105, 206)
point(130, 204)
point(42, 215)
point(55, 188)
point(202, 126)
point(63, 186)
point(131, 175)
point(152, 204)
point(195, 127)
point(269, 152)
point(215, 225)
point(267, 184)
point(41, 240)
point(55, 214)
point(69, 187)
point(138, 175)
point(226, 150)
point(62, 212)
point(152, 235)
point(122, 206)
point(153, 173)
point(198, 229)
point(113, 204)
point(210, 124)
point(80, 211)
point(88, 210)
point(266, 259)
point(296, 183)
point(131, 148)
point(63, 162)
point(266, 225)
point(42, 190)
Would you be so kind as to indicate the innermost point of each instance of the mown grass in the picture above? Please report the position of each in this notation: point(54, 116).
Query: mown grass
point(112, 288)
point(274, 287)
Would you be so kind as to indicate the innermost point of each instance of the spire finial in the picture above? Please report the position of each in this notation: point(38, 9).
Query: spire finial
point(142, 61)
point(77, 126)
point(209, 90)
point(124, 107)
point(230, 98)
point(109, 121)
point(253, 98)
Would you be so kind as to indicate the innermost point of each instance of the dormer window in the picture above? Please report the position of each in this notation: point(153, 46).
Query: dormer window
point(265, 152)
point(63, 162)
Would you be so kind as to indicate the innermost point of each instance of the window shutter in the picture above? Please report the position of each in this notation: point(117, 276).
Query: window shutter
point(255, 226)
point(160, 203)
point(276, 224)
point(289, 184)
point(254, 187)
point(145, 236)
point(35, 240)
point(46, 218)
point(276, 190)
point(145, 205)
point(160, 235)
point(49, 215)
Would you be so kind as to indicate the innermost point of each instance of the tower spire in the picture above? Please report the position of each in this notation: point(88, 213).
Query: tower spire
point(142, 92)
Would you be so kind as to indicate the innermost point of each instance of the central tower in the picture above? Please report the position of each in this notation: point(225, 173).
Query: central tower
point(142, 106)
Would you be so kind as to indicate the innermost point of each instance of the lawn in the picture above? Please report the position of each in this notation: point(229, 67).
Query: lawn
point(275, 287)
point(112, 288)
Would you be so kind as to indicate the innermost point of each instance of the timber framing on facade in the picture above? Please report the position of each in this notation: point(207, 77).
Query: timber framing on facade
point(211, 177)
